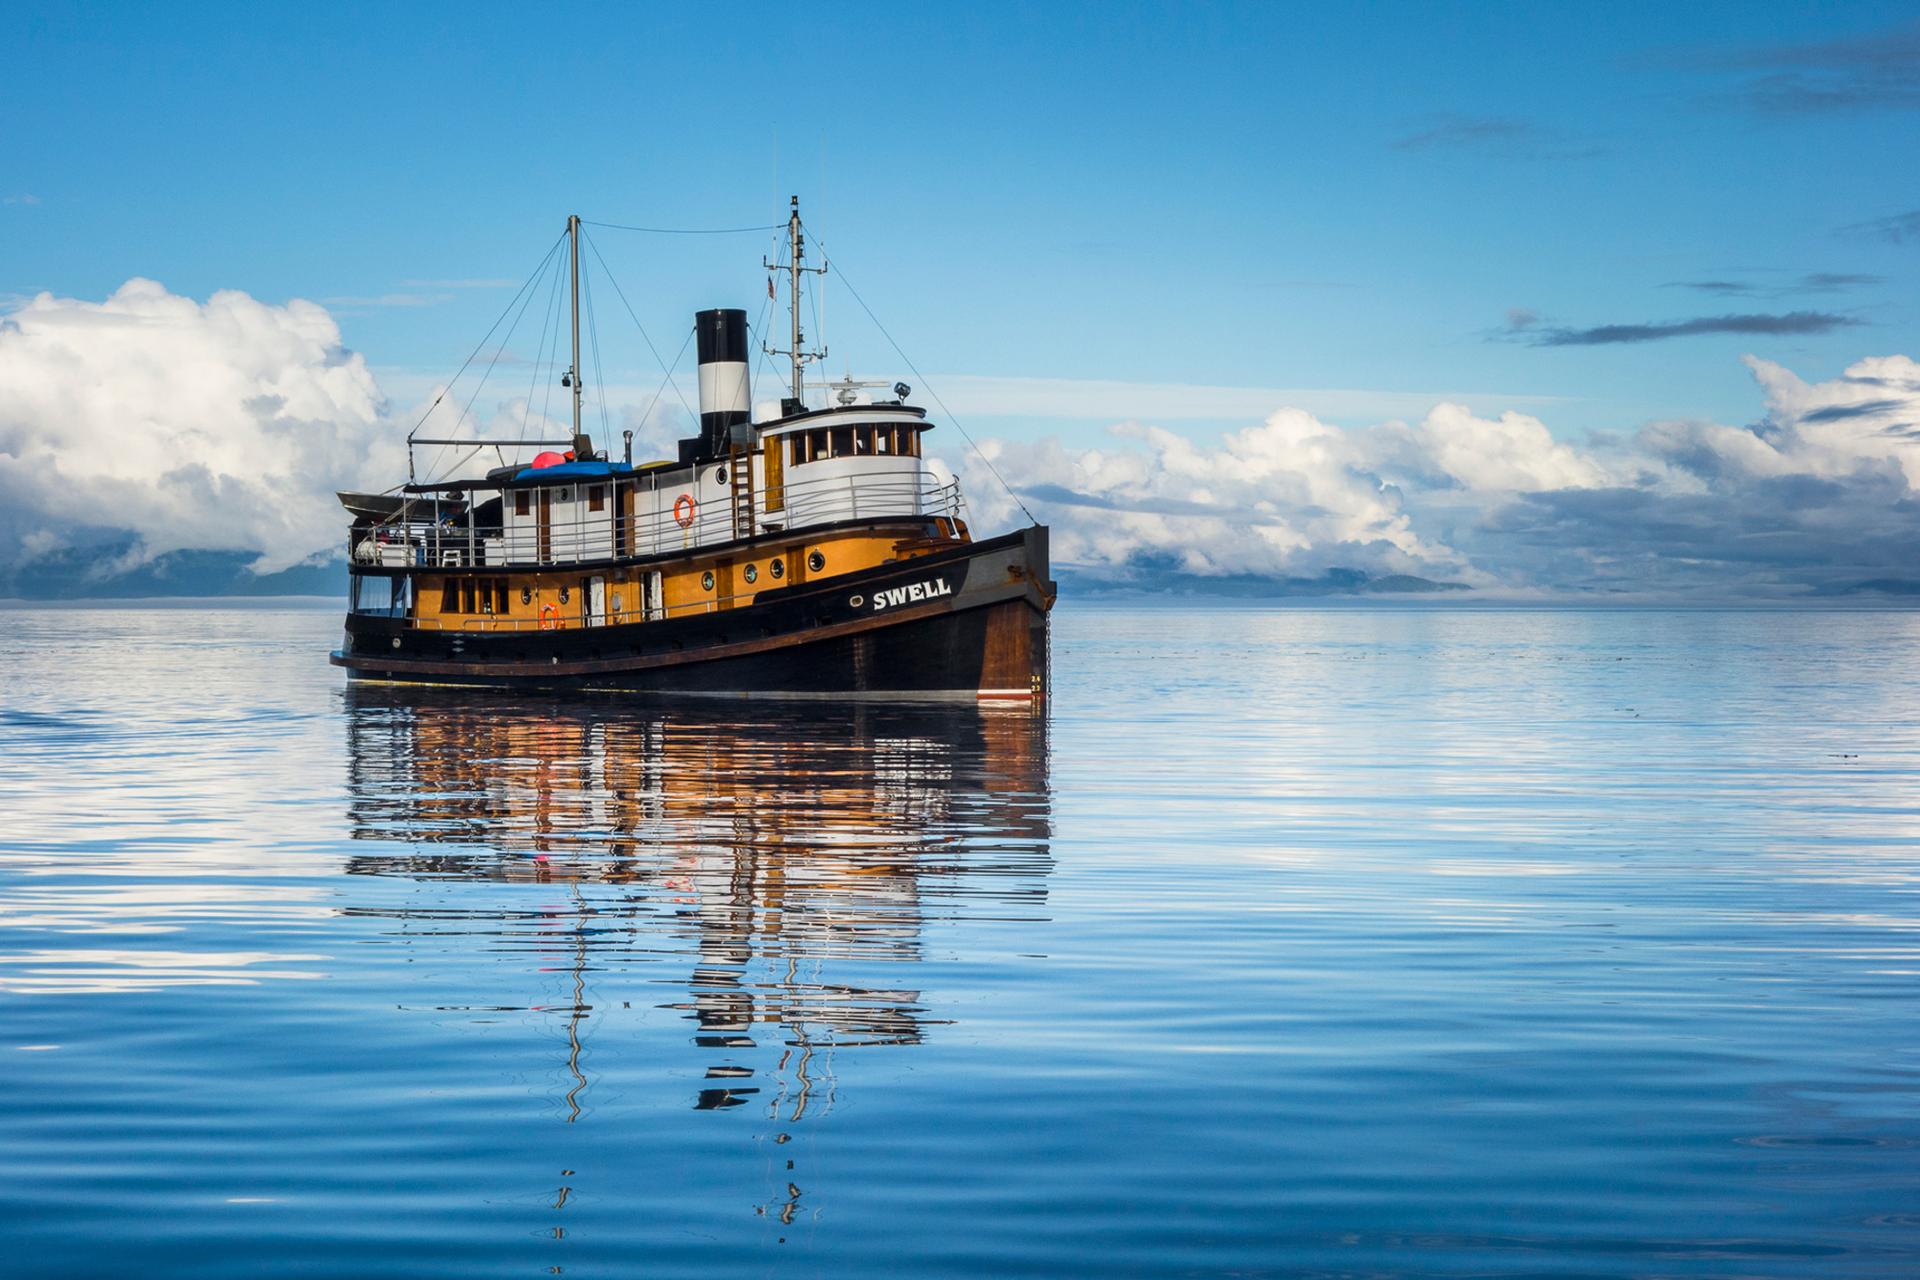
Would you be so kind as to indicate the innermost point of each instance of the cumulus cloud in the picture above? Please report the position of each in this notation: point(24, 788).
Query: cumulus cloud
point(222, 424)
point(1818, 495)
point(227, 424)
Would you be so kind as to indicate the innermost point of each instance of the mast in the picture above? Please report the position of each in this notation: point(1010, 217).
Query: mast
point(796, 255)
point(796, 248)
point(573, 374)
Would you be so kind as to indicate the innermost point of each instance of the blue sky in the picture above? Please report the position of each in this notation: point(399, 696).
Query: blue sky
point(1263, 195)
point(1536, 297)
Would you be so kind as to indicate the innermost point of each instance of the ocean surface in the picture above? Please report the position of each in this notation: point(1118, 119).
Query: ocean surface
point(1296, 942)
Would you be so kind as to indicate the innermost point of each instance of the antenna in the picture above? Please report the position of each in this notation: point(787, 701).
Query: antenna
point(796, 255)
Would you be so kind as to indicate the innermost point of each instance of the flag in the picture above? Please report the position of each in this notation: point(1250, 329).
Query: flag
point(771, 296)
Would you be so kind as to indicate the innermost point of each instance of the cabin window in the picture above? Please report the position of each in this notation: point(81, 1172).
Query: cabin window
point(474, 595)
point(522, 502)
point(385, 597)
point(842, 440)
point(596, 498)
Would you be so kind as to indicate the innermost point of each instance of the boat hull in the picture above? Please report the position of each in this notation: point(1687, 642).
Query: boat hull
point(970, 622)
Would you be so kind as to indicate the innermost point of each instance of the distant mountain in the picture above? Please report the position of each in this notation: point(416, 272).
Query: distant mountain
point(1877, 586)
point(83, 573)
point(1249, 586)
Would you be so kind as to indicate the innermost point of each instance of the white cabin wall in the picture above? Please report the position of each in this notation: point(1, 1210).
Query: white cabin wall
point(856, 487)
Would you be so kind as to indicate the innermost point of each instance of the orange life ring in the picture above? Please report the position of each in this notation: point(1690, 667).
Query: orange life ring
point(683, 510)
point(549, 616)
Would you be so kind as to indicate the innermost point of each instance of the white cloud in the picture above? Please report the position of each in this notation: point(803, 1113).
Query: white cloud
point(219, 425)
point(227, 424)
point(1819, 494)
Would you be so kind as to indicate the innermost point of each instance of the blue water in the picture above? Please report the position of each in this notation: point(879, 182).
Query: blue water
point(1342, 942)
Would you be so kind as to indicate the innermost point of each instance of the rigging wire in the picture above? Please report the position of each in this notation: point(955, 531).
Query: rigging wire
point(667, 368)
point(537, 272)
point(599, 377)
point(482, 386)
point(661, 390)
point(766, 308)
point(552, 357)
point(549, 315)
point(682, 231)
point(825, 256)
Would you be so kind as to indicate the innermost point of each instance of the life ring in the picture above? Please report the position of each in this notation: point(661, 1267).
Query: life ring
point(549, 616)
point(683, 510)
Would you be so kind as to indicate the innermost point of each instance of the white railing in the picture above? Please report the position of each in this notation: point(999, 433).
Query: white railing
point(606, 535)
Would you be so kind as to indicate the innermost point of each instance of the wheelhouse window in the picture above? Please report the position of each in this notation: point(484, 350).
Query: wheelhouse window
point(864, 441)
point(522, 502)
point(596, 497)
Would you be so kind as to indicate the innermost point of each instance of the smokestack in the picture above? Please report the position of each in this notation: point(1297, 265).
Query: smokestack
point(721, 336)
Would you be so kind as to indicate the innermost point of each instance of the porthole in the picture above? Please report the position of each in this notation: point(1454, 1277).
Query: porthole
point(778, 568)
point(706, 580)
point(719, 475)
point(563, 595)
point(526, 595)
point(752, 574)
point(815, 561)
point(856, 601)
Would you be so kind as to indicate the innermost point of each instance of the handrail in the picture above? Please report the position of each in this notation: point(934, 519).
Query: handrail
point(607, 535)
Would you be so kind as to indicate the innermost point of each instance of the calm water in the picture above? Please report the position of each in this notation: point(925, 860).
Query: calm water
point(1351, 942)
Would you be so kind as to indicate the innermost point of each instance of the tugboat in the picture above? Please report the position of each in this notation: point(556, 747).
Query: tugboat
point(814, 553)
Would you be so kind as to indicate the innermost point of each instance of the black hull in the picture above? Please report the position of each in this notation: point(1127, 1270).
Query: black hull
point(970, 622)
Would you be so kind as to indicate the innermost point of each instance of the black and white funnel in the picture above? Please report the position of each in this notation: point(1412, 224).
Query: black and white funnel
point(721, 337)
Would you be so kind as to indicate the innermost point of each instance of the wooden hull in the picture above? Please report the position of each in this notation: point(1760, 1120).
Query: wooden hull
point(968, 622)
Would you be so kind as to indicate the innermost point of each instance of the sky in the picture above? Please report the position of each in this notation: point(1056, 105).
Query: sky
point(1572, 241)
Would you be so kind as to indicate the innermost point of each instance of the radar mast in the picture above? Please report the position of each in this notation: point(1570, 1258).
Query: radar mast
point(794, 268)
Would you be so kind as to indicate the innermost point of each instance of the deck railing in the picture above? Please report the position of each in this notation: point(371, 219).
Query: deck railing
point(455, 542)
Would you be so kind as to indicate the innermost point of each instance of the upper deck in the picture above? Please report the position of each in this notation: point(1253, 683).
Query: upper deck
point(806, 470)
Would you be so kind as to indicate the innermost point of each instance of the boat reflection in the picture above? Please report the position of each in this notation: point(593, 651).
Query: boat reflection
point(767, 847)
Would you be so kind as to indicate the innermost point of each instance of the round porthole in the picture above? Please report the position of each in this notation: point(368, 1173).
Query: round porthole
point(816, 561)
point(526, 595)
point(856, 601)
point(752, 574)
point(778, 568)
point(396, 642)
point(719, 475)
point(563, 595)
point(706, 580)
